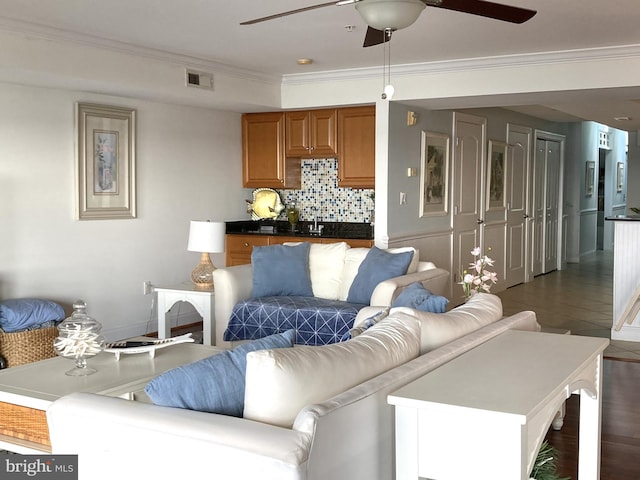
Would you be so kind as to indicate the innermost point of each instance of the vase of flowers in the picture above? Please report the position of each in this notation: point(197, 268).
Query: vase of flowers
point(478, 278)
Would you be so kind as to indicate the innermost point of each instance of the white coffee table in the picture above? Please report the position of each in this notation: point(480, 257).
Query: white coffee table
point(27, 391)
point(486, 413)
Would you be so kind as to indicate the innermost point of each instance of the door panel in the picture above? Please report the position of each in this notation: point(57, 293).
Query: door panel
point(538, 210)
point(467, 188)
point(552, 206)
point(518, 167)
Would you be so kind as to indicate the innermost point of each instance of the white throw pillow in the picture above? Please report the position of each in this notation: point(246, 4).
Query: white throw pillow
point(280, 382)
point(326, 263)
point(437, 329)
point(354, 258)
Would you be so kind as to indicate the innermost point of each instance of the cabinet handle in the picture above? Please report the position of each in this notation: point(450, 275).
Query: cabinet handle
point(311, 149)
point(246, 244)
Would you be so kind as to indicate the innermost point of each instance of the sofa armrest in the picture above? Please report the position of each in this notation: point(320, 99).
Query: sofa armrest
point(132, 436)
point(232, 284)
point(435, 280)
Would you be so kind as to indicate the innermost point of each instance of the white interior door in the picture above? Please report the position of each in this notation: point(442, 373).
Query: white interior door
point(519, 140)
point(467, 188)
point(552, 206)
point(538, 208)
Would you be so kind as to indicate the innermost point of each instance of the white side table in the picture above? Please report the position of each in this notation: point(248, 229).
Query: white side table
point(202, 300)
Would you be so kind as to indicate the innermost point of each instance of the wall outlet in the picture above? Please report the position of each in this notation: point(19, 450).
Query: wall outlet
point(147, 288)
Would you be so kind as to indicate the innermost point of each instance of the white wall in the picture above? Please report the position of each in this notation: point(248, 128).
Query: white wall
point(188, 167)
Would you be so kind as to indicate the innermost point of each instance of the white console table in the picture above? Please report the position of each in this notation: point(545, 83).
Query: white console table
point(486, 413)
point(201, 299)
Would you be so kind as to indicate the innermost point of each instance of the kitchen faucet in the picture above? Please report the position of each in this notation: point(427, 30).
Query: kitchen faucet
point(317, 229)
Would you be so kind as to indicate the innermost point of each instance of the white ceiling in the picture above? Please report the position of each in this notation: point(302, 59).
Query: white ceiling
point(210, 30)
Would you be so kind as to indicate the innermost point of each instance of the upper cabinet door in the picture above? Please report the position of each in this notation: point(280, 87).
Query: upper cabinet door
point(263, 150)
point(311, 133)
point(357, 147)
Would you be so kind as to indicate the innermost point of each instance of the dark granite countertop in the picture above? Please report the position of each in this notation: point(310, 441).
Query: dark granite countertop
point(348, 230)
point(624, 218)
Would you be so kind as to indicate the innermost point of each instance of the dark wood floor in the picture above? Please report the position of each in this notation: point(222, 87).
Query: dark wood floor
point(620, 459)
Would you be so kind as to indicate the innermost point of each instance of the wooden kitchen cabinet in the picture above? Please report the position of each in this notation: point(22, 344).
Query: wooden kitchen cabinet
point(239, 247)
point(356, 147)
point(311, 133)
point(264, 163)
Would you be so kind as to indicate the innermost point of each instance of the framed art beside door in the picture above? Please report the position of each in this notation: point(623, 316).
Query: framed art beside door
point(496, 175)
point(106, 166)
point(589, 178)
point(620, 177)
point(434, 174)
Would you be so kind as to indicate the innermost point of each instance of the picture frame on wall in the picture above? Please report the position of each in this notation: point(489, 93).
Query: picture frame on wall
point(106, 162)
point(496, 175)
point(620, 177)
point(589, 178)
point(434, 174)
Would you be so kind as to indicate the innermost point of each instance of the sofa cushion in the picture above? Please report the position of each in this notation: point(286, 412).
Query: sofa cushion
point(355, 256)
point(25, 313)
point(416, 296)
point(326, 263)
point(377, 266)
point(317, 321)
point(437, 329)
point(214, 384)
point(281, 270)
point(279, 383)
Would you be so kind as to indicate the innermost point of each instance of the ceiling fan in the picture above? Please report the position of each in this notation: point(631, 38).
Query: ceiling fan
point(390, 15)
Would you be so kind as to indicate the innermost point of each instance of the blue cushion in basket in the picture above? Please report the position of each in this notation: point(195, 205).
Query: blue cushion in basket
point(214, 384)
point(418, 297)
point(24, 313)
point(377, 267)
point(280, 270)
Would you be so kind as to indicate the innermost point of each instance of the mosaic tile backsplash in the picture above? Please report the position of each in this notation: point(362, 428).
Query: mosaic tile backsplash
point(321, 197)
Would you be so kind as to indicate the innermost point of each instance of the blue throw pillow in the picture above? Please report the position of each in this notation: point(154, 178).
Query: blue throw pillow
point(377, 267)
point(281, 270)
point(418, 297)
point(24, 313)
point(214, 384)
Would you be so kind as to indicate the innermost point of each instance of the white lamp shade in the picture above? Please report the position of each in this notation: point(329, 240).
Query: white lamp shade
point(393, 14)
point(206, 237)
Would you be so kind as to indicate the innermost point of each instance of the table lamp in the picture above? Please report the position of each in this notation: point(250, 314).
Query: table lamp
point(205, 237)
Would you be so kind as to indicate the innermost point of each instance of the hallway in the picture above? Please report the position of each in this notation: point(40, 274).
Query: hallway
point(578, 298)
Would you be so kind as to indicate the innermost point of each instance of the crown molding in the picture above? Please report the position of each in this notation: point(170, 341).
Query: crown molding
point(61, 35)
point(469, 64)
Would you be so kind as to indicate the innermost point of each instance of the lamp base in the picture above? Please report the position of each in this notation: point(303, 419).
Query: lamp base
point(202, 275)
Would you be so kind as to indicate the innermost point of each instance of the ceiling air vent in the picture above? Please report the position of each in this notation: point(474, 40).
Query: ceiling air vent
point(199, 79)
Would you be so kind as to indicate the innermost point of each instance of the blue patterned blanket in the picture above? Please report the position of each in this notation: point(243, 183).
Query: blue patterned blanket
point(317, 321)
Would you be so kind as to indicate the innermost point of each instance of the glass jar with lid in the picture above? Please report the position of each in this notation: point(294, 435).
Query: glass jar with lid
point(79, 338)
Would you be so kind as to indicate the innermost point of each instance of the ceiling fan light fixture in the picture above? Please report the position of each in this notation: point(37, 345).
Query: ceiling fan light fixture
point(389, 14)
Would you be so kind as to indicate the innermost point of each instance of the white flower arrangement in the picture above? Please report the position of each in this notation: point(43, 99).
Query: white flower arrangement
point(478, 278)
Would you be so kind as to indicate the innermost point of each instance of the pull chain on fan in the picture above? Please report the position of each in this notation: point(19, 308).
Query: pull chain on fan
point(387, 88)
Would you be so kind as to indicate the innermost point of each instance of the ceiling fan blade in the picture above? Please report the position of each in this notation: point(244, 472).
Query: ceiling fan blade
point(498, 11)
point(374, 37)
point(290, 12)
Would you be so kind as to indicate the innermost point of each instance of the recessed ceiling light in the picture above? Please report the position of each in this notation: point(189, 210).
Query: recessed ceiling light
point(305, 61)
point(622, 119)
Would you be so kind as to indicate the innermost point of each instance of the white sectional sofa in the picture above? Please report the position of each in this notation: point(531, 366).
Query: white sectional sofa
point(341, 425)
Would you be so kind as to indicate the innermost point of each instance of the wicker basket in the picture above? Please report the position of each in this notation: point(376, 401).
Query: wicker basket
point(27, 346)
